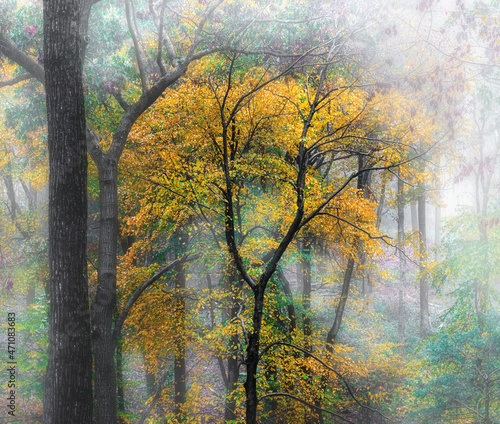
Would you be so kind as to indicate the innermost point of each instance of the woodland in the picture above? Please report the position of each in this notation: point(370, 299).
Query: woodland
point(248, 211)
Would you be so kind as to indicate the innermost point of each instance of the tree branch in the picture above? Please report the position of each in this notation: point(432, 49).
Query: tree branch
point(121, 101)
point(383, 237)
point(15, 80)
point(132, 299)
point(137, 49)
point(21, 58)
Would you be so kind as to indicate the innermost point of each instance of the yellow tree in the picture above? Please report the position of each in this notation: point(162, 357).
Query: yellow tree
point(259, 139)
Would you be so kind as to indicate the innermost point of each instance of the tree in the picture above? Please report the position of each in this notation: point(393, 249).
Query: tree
point(68, 389)
point(263, 188)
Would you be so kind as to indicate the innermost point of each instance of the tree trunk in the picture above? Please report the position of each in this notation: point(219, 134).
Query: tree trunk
point(289, 296)
point(104, 303)
point(149, 378)
point(363, 182)
point(381, 204)
point(305, 274)
point(119, 379)
point(402, 266)
point(68, 384)
point(414, 215)
point(234, 285)
point(424, 284)
point(310, 416)
point(339, 312)
point(181, 239)
point(252, 356)
point(14, 206)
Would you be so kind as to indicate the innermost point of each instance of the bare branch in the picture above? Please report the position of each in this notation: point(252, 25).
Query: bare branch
point(168, 42)
point(355, 226)
point(21, 58)
point(121, 101)
point(16, 80)
point(206, 16)
point(137, 49)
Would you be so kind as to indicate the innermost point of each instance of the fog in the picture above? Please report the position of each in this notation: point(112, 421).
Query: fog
point(293, 212)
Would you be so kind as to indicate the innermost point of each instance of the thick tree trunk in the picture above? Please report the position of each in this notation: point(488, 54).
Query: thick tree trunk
point(103, 306)
point(424, 284)
point(68, 384)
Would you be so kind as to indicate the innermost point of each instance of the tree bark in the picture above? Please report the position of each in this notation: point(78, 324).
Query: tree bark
point(381, 204)
point(424, 284)
point(234, 284)
point(414, 215)
point(305, 274)
point(120, 380)
point(310, 416)
point(252, 356)
point(104, 303)
point(402, 266)
point(181, 239)
point(68, 384)
point(339, 312)
point(363, 182)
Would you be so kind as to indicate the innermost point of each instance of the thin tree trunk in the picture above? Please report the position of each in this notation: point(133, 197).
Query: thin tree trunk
point(339, 312)
point(381, 204)
point(68, 383)
point(120, 380)
point(234, 285)
point(305, 274)
point(424, 284)
point(310, 416)
point(149, 379)
point(363, 182)
point(181, 239)
point(290, 307)
point(414, 215)
point(402, 266)
point(14, 206)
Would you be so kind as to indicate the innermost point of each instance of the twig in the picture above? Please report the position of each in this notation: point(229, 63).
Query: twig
point(340, 376)
point(305, 403)
point(16, 80)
